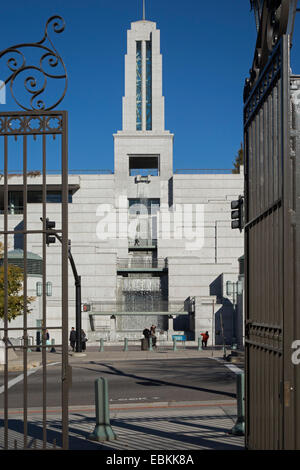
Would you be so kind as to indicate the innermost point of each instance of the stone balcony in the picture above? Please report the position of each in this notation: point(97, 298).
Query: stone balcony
point(141, 264)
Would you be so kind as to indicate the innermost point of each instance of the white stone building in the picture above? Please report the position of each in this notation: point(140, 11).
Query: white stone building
point(152, 245)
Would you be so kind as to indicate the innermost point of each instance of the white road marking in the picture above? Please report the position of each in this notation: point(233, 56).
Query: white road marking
point(134, 399)
point(232, 367)
point(19, 378)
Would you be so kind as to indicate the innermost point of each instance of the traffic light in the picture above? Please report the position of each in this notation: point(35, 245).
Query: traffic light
point(237, 213)
point(86, 308)
point(50, 225)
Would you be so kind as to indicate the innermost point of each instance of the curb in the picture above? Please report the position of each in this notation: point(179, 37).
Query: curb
point(131, 406)
point(19, 367)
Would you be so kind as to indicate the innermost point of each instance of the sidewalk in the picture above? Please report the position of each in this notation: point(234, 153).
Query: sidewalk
point(157, 426)
point(139, 426)
point(110, 354)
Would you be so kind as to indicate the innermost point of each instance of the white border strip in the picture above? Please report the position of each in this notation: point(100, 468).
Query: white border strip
point(18, 379)
point(232, 367)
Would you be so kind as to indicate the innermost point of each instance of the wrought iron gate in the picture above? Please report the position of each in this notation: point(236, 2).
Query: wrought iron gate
point(37, 123)
point(272, 181)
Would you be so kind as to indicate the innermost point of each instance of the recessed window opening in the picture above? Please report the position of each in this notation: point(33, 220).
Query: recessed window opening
point(15, 199)
point(144, 165)
point(144, 206)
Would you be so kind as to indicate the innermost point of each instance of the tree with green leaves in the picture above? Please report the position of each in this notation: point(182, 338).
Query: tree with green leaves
point(239, 160)
point(16, 299)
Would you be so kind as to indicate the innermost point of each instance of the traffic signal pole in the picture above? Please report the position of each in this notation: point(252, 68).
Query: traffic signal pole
point(50, 226)
point(78, 302)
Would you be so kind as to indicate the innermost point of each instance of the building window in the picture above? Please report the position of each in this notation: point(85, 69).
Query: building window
point(15, 199)
point(15, 202)
point(144, 165)
point(143, 206)
point(51, 197)
point(139, 85)
point(148, 86)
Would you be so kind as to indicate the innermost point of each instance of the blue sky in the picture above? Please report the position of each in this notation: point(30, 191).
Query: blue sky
point(207, 51)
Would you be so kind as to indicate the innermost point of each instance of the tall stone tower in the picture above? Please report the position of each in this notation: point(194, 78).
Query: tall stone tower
point(143, 175)
point(143, 148)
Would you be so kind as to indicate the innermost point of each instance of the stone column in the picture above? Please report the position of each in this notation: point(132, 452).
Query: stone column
point(113, 328)
point(170, 326)
point(205, 310)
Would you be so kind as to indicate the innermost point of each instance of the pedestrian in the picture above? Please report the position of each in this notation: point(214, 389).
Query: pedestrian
point(47, 338)
point(83, 340)
point(72, 338)
point(153, 336)
point(205, 337)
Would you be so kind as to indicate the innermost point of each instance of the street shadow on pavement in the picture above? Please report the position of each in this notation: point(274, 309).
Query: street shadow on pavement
point(143, 431)
point(144, 434)
point(35, 435)
point(156, 382)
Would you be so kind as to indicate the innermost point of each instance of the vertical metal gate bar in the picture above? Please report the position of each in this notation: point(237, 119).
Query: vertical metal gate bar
point(297, 273)
point(251, 171)
point(265, 159)
point(254, 173)
point(271, 147)
point(287, 187)
point(6, 292)
point(247, 150)
point(44, 307)
point(37, 118)
point(65, 248)
point(25, 334)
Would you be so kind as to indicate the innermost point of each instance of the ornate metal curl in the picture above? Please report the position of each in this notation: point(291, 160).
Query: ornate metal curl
point(16, 63)
point(274, 18)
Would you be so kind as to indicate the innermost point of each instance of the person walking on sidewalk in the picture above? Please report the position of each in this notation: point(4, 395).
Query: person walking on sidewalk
point(72, 338)
point(205, 337)
point(83, 340)
point(153, 336)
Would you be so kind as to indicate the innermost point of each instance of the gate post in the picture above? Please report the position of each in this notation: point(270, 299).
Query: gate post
point(239, 427)
point(103, 430)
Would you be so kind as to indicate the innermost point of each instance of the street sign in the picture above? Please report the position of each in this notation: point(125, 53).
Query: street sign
point(179, 337)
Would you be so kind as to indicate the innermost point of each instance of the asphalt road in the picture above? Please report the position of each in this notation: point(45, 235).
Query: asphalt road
point(174, 380)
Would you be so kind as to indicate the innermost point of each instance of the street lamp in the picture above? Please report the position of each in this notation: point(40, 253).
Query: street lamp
point(49, 289)
point(39, 289)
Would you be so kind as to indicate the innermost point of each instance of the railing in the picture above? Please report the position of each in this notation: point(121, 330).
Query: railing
point(203, 171)
point(141, 263)
point(144, 172)
point(139, 306)
point(142, 243)
point(58, 172)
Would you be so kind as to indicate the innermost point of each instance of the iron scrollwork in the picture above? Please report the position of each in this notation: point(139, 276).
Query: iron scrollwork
point(274, 18)
point(48, 66)
point(35, 124)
